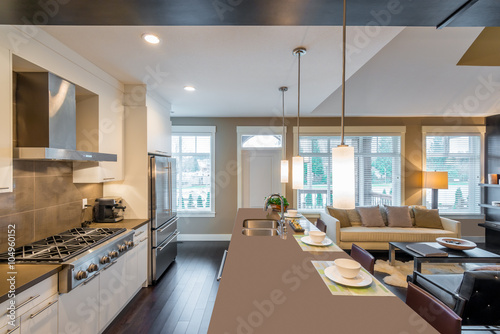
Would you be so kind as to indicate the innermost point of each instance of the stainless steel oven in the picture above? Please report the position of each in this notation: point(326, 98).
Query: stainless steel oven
point(163, 214)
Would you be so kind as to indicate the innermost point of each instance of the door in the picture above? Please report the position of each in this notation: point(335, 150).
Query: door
point(260, 175)
point(160, 191)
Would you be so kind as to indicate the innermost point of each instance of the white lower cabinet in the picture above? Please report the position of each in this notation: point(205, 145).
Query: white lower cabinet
point(79, 309)
point(41, 319)
point(113, 291)
point(10, 330)
point(131, 272)
point(142, 259)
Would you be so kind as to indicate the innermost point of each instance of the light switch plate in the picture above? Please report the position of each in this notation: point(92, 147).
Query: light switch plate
point(84, 204)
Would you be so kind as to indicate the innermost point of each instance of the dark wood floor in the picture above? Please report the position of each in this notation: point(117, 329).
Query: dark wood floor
point(183, 299)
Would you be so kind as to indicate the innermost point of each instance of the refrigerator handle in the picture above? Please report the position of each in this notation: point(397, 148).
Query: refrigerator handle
point(153, 185)
point(170, 185)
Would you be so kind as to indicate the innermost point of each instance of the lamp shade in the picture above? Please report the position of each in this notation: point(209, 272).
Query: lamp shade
point(343, 184)
point(435, 180)
point(284, 171)
point(298, 172)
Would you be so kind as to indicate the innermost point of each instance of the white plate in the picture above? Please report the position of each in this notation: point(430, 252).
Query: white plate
point(325, 242)
point(296, 216)
point(363, 279)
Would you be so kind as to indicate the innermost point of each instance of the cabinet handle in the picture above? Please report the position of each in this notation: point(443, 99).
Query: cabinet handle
point(108, 178)
point(109, 265)
point(144, 239)
point(90, 279)
point(3, 188)
point(27, 301)
point(13, 329)
point(43, 309)
point(138, 234)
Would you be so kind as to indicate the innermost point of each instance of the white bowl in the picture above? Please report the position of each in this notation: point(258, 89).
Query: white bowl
point(292, 213)
point(347, 268)
point(317, 236)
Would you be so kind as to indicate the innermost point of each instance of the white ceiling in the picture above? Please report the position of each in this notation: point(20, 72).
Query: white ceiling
point(237, 70)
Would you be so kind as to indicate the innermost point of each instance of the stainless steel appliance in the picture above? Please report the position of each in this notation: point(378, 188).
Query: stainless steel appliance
point(163, 213)
point(83, 253)
point(107, 210)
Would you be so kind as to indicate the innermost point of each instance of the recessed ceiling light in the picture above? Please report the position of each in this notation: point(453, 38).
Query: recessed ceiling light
point(189, 88)
point(151, 39)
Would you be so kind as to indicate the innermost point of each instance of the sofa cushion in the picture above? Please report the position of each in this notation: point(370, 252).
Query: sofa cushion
point(398, 216)
point(412, 214)
point(388, 234)
point(427, 218)
point(370, 216)
point(340, 215)
point(354, 217)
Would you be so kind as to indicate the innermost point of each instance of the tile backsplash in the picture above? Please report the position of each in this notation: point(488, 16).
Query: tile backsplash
point(45, 201)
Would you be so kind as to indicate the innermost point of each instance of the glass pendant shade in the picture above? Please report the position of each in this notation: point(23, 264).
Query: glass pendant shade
point(343, 184)
point(284, 171)
point(298, 172)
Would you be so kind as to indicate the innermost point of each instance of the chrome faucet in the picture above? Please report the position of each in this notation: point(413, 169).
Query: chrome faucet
point(282, 226)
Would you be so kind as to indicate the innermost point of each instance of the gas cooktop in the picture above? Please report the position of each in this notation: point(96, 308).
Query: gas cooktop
point(63, 246)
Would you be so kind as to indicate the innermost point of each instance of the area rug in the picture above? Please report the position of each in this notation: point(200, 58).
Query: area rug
point(399, 272)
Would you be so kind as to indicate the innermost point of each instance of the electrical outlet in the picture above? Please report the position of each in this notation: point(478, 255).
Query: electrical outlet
point(84, 204)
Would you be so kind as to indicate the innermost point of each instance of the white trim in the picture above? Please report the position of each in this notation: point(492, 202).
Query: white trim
point(332, 130)
point(256, 130)
point(476, 239)
point(439, 130)
point(196, 214)
point(195, 129)
point(204, 237)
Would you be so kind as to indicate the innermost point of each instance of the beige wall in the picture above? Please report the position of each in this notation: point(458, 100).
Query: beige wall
point(226, 157)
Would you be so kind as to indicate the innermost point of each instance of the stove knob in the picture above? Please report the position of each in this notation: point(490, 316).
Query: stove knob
point(129, 244)
point(81, 275)
point(104, 259)
point(122, 248)
point(113, 254)
point(93, 267)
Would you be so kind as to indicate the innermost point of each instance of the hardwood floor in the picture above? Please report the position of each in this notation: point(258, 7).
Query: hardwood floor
point(183, 299)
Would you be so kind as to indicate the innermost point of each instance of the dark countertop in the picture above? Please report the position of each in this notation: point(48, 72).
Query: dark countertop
point(131, 224)
point(269, 285)
point(27, 276)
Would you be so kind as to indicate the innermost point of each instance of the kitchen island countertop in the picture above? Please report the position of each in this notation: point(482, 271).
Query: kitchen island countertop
point(27, 275)
point(269, 285)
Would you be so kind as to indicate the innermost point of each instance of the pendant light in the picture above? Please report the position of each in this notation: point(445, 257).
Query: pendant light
point(343, 183)
point(298, 161)
point(284, 162)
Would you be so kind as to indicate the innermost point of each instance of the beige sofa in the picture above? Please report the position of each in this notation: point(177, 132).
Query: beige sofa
point(378, 238)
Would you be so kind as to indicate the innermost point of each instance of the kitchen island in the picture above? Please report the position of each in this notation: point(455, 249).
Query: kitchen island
point(269, 285)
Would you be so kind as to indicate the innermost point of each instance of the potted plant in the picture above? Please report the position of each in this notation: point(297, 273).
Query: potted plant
point(275, 203)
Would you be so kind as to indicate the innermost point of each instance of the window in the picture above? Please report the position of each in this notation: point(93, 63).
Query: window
point(193, 148)
point(377, 168)
point(260, 141)
point(460, 156)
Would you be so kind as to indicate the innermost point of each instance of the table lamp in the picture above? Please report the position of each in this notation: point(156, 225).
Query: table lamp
point(435, 181)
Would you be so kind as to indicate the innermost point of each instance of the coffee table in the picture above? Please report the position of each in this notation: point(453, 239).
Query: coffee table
point(476, 255)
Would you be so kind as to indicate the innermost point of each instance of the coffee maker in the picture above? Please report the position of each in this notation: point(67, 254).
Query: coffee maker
point(106, 210)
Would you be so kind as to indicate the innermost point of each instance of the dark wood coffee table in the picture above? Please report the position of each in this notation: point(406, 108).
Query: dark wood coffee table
point(476, 255)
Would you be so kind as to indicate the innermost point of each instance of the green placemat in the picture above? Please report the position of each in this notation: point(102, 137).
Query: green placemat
point(308, 248)
point(375, 289)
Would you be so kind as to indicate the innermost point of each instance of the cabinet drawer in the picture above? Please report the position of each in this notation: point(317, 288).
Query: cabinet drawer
point(42, 318)
point(30, 298)
point(141, 233)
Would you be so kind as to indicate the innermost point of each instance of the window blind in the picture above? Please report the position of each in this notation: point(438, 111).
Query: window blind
point(377, 170)
point(460, 156)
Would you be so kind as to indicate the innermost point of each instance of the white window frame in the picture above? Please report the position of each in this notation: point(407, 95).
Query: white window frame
point(257, 130)
point(352, 131)
point(199, 131)
point(455, 131)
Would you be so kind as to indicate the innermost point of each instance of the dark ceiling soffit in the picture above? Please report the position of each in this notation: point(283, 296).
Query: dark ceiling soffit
point(457, 13)
point(430, 13)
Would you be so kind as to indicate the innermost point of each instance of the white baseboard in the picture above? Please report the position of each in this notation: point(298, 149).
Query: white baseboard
point(204, 237)
point(478, 239)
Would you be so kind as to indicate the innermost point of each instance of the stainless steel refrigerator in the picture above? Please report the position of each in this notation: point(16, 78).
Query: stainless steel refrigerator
point(163, 214)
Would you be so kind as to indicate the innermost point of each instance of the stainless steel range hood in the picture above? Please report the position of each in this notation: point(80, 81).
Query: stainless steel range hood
point(46, 120)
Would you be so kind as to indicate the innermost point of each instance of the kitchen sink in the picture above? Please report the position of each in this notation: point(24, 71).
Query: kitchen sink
point(260, 232)
point(260, 223)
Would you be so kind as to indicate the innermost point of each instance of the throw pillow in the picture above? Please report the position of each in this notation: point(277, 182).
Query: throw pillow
point(341, 215)
point(427, 218)
point(384, 214)
point(370, 216)
point(398, 216)
point(354, 217)
point(412, 214)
